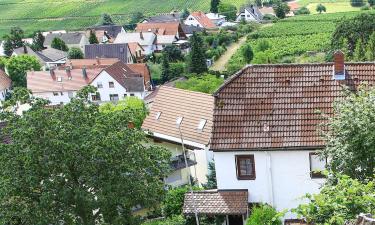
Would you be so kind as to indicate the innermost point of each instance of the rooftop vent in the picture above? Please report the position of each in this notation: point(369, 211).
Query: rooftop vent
point(59, 79)
point(339, 66)
point(201, 124)
point(179, 121)
point(157, 116)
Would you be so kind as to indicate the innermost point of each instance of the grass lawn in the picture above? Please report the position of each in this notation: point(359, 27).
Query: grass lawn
point(333, 7)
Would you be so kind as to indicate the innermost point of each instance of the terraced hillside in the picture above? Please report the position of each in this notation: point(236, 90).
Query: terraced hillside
point(31, 15)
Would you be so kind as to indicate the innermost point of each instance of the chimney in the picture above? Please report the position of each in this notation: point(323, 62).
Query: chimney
point(97, 60)
point(67, 69)
point(141, 35)
point(25, 49)
point(339, 66)
point(84, 72)
point(52, 72)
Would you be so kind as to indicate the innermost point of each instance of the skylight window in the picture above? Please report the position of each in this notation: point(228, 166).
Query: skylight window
point(158, 114)
point(59, 79)
point(201, 124)
point(179, 121)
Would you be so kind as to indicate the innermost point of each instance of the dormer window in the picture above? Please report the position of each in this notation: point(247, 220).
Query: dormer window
point(59, 79)
point(158, 114)
point(201, 124)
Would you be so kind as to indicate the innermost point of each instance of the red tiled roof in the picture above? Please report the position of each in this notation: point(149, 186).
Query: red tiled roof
point(217, 202)
point(5, 81)
point(90, 63)
point(170, 28)
point(275, 106)
point(133, 47)
point(42, 81)
point(203, 19)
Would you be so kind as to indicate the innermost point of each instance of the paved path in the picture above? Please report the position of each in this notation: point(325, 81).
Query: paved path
point(219, 65)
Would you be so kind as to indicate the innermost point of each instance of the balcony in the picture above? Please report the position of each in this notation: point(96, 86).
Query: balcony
point(178, 162)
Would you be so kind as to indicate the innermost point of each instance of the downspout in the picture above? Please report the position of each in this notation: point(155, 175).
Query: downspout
point(270, 178)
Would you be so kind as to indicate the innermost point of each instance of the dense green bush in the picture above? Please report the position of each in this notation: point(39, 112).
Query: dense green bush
point(302, 11)
point(174, 220)
point(206, 83)
point(173, 202)
point(264, 215)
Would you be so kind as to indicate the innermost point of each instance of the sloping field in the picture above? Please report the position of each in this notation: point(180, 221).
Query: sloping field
point(32, 15)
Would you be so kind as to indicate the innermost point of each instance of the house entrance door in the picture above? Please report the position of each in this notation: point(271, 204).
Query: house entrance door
point(235, 220)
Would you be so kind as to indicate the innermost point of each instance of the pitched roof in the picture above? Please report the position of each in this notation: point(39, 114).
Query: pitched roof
point(170, 28)
point(274, 106)
point(173, 103)
point(69, 38)
point(132, 81)
point(254, 11)
point(5, 81)
point(43, 81)
point(90, 63)
point(118, 51)
point(203, 19)
point(111, 30)
point(142, 69)
point(52, 55)
point(190, 29)
point(143, 38)
point(133, 47)
point(166, 39)
point(216, 202)
point(170, 17)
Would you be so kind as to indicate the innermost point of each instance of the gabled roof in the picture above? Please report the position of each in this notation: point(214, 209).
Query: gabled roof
point(111, 30)
point(132, 81)
point(143, 38)
point(43, 81)
point(166, 39)
point(162, 18)
point(69, 38)
point(119, 51)
point(203, 19)
point(133, 47)
point(142, 69)
point(170, 28)
point(5, 81)
point(44, 56)
point(90, 63)
point(216, 202)
point(254, 11)
point(172, 103)
point(190, 29)
point(275, 106)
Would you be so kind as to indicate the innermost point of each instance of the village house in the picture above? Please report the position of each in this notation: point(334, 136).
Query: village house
point(137, 52)
point(119, 81)
point(178, 116)
point(119, 51)
point(74, 39)
point(216, 18)
point(265, 137)
point(106, 33)
point(48, 58)
point(164, 18)
point(167, 28)
point(199, 19)
point(145, 39)
point(250, 13)
point(96, 63)
point(5, 85)
point(54, 32)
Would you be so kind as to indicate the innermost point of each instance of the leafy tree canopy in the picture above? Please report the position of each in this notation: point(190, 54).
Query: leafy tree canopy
point(92, 38)
point(17, 67)
point(197, 58)
point(281, 9)
point(75, 53)
point(228, 10)
point(76, 165)
point(105, 19)
point(173, 52)
point(264, 214)
point(214, 6)
point(38, 41)
point(247, 53)
point(320, 8)
point(206, 83)
point(339, 202)
point(59, 44)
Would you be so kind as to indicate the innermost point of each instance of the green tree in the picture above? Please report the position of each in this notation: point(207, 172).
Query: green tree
point(211, 177)
point(75, 53)
point(7, 46)
point(17, 67)
point(264, 214)
point(214, 6)
point(173, 52)
point(206, 83)
point(3, 62)
point(247, 53)
point(359, 52)
point(15, 37)
point(173, 201)
point(339, 202)
point(228, 10)
point(18, 96)
point(371, 2)
point(92, 38)
point(38, 41)
point(320, 8)
point(134, 106)
point(197, 62)
point(302, 11)
point(185, 13)
point(165, 69)
point(370, 48)
point(350, 145)
point(259, 3)
point(59, 44)
point(76, 165)
point(105, 19)
point(281, 9)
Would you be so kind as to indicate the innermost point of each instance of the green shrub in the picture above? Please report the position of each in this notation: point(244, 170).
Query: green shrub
point(264, 215)
point(206, 83)
point(173, 202)
point(365, 7)
point(302, 11)
point(175, 220)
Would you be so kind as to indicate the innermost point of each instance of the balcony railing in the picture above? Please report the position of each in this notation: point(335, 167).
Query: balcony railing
point(178, 162)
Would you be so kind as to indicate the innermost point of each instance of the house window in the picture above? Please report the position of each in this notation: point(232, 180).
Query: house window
point(245, 167)
point(111, 84)
point(70, 94)
point(96, 97)
point(113, 97)
point(99, 85)
point(61, 93)
point(317, 165)
point(55, 93)
point(131, 94)
point(125, 95)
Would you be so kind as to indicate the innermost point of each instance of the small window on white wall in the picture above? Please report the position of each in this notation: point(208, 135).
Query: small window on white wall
point(100, 85)
point(317, 165)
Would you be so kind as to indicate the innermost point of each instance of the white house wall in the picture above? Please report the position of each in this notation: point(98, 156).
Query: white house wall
point(58, 98)
point(248, 16)
point(282, 177)
point(191, 21)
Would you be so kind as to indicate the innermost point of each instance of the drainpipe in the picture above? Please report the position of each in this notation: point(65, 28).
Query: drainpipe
point(270, 178)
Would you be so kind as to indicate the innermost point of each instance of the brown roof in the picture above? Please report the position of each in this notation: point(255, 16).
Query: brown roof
point(275, 106)
point(142, 69)
point(133, 47)
point(170, 28)
point(203, 19)
point(5, 81)
point(90, 63)
point(43, 81)
point(174, 103)
point(217, 202)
